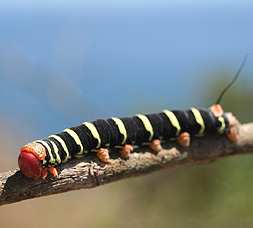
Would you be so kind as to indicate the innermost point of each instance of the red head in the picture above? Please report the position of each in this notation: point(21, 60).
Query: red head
point(29, 160)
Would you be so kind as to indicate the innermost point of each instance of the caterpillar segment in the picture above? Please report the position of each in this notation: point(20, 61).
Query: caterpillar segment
point(41, 157)
point(232, 132)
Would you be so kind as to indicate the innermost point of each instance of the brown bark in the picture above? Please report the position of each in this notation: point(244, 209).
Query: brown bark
point(89, 172)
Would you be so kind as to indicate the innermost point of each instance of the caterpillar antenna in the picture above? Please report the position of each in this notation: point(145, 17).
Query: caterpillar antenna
point(234, 78)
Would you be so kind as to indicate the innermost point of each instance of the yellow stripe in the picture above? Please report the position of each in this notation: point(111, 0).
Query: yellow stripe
point(199, 120)
point(78, 155)
point(147, 125)
point(93, 131)
point(56, 150)
point(223, 125)
point(45, 144)
point(173, 120)
point(63, 144)
point(121, 128)
point(75, 136)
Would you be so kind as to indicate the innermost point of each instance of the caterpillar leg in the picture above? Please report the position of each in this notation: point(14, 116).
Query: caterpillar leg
point(103, 155)
point(233, 131)
point(233, 134)
point(217, 110)
point(155, 145)
point(53, 171)
point(184, 139)
point(44, 174)
point(126, 150)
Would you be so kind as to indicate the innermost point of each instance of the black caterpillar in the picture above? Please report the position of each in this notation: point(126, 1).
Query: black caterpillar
point(41, 156)
point(76, 141)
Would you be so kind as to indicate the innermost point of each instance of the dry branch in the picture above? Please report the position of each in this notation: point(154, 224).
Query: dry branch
point(89, 172)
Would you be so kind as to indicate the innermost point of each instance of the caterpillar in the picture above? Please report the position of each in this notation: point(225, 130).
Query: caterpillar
point(38, 158)
point(41, 157)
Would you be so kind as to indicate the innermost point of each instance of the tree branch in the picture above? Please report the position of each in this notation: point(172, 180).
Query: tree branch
point(89, 172)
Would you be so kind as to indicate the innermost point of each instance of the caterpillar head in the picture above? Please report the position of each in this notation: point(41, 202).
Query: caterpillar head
point(30, 160)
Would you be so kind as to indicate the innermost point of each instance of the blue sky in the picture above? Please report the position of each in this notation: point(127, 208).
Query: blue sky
point(65, 57)
point(115, 3)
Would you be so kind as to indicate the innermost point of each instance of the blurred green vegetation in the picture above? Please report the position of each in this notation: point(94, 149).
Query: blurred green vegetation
point(212, 195)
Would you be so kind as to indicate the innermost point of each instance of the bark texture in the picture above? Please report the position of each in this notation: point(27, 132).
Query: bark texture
point(89, 172)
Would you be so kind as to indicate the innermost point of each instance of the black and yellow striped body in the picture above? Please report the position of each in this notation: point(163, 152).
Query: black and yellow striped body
point(137, 130)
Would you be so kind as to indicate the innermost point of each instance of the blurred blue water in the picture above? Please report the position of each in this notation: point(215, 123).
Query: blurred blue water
point(59, 67)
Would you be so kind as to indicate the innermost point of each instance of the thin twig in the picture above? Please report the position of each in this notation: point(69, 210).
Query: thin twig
point(89, 172)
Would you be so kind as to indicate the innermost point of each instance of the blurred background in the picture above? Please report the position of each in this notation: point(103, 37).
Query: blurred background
point(63, 62)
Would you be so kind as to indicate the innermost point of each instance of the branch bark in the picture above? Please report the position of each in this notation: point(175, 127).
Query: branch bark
point(89, 172)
